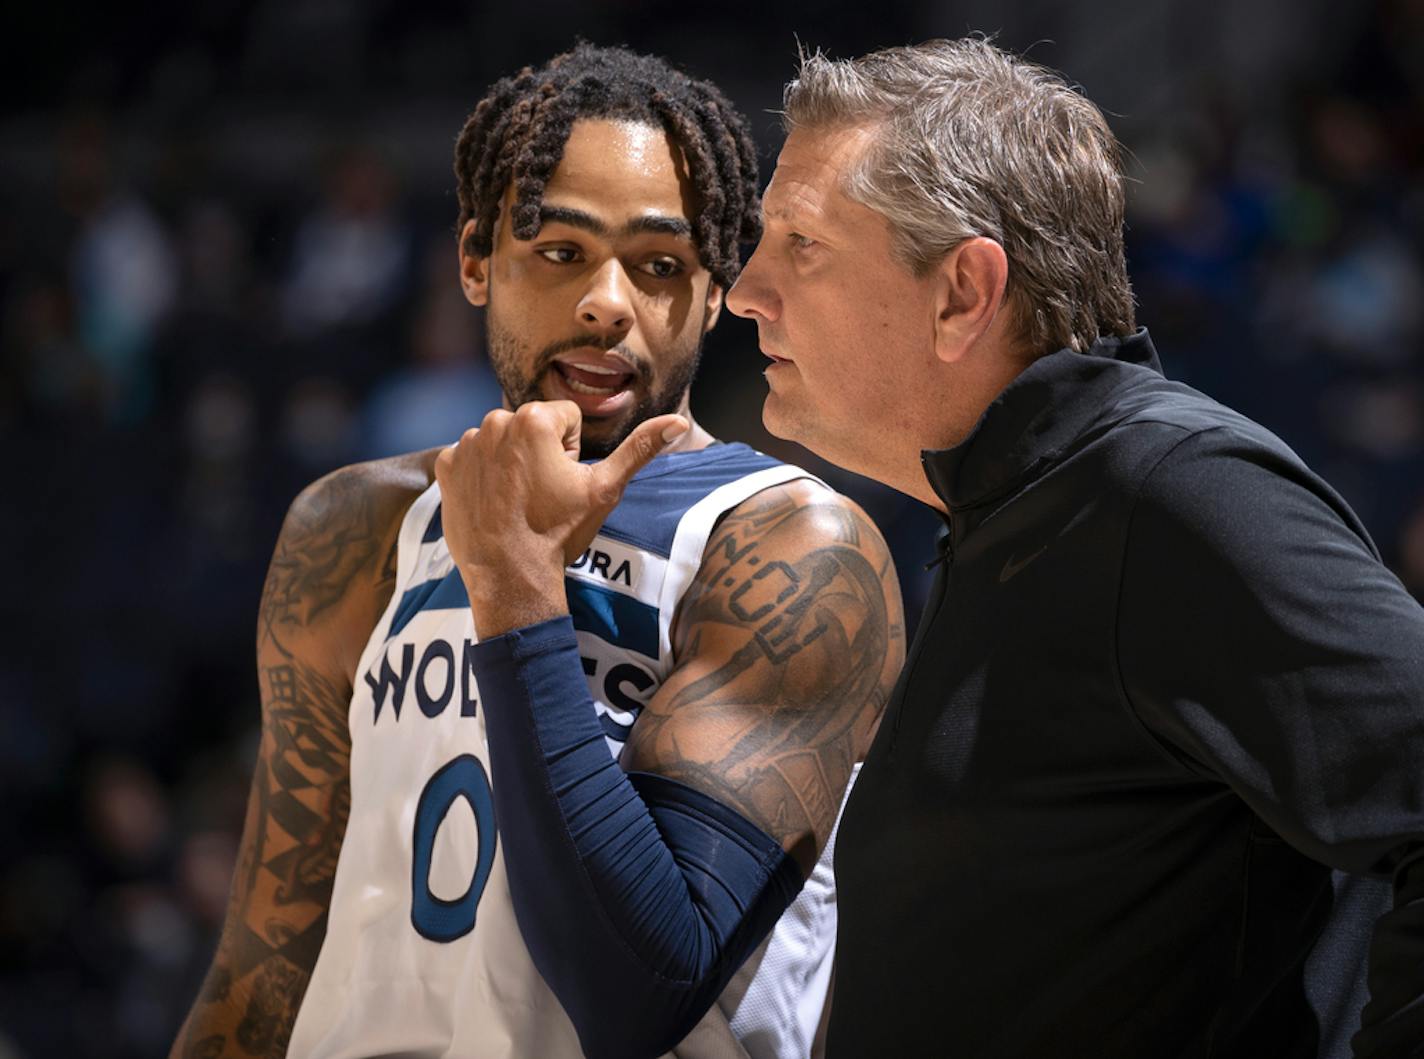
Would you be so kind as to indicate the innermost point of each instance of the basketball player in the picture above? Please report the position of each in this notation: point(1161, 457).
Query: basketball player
point(728, 631)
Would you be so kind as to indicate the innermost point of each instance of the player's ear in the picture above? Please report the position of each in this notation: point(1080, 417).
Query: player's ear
point(474, 269)
point(715, 296)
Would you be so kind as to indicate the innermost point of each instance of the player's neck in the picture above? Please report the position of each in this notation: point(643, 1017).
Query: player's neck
point(694, 439)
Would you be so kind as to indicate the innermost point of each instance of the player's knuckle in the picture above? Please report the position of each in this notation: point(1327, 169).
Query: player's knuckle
point(607, 495)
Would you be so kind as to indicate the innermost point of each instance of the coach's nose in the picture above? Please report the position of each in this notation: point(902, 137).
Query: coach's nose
point(607, 305)
point(753, 296)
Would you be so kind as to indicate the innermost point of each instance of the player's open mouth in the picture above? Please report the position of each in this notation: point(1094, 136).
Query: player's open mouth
point(601, 385)
point(593, 380)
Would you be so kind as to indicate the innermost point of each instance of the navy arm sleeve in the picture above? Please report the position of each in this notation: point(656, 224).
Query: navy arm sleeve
point(1262, 639)
point(638, 897)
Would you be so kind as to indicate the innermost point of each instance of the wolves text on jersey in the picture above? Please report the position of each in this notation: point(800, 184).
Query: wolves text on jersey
point(436, 680)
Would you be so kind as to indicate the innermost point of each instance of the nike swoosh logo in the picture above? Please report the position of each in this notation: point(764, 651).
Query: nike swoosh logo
point(1011, 568)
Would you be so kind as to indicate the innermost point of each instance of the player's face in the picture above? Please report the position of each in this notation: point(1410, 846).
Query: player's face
point(836, 313)
point(607, 306)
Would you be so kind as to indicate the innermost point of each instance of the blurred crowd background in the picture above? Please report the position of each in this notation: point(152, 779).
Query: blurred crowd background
point(227, 266)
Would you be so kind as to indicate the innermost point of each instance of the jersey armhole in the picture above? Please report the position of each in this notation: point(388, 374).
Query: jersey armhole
point(408, 542)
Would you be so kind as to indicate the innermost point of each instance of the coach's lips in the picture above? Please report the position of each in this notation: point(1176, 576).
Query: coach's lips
point(599, 382)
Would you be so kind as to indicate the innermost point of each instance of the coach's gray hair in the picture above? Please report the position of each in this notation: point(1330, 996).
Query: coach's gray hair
point(971, 141)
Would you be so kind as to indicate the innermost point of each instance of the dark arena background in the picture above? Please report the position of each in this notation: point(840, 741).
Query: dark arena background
point(227, 266)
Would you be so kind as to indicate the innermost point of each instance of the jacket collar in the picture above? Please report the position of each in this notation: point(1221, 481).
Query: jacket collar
point(1035, 420)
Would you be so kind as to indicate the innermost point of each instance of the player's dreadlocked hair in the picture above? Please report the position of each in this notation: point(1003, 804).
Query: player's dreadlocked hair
point(518, 131)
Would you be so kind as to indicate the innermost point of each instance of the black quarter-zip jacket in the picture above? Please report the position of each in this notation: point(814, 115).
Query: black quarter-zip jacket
point(1156, 756)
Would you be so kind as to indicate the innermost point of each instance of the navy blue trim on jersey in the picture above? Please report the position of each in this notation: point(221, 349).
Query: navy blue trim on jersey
point(660, 494)
point(435, 528)
point(617, 618)
point(447, 593)
point(617, 732)
point(647, 517)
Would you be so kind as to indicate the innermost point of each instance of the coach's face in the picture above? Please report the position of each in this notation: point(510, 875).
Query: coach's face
point(849, 329)
point(608, 304)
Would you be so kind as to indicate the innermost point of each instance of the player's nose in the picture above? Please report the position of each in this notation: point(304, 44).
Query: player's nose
point(607, 304)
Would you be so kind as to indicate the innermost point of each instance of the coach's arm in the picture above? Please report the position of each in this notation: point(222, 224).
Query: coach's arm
point(640, 893)
point(331, 575)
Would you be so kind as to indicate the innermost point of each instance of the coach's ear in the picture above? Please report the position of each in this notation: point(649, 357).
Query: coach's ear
point(474, 270)
point(715, 295)
point(969, 291)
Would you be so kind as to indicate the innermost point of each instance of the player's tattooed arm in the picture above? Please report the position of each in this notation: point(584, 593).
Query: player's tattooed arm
point(331, 575)
point(787, 645)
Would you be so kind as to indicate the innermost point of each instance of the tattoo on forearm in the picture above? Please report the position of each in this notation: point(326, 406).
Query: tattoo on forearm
point(301, 795)
point(207, 1048)
point(266, 1026)
point(307, 749)
point(823, 645)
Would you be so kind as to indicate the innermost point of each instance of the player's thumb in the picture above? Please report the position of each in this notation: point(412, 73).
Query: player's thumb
point(649, 438)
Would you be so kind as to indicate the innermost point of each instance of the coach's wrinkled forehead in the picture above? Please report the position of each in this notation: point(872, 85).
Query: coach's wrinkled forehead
point(807, 189)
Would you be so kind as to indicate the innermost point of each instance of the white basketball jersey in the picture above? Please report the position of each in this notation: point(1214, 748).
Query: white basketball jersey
point(423, 957)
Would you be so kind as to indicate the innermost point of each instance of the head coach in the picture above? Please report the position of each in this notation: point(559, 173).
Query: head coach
point(1152, 781)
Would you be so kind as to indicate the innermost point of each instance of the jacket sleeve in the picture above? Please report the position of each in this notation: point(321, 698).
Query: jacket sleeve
point(1262, 641)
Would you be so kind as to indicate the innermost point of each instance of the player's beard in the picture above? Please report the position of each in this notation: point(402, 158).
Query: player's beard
point(521, 376)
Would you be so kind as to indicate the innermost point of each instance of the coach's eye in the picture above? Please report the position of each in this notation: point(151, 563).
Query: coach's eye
point(662, 267)
point(801, 242)
point(559, 255)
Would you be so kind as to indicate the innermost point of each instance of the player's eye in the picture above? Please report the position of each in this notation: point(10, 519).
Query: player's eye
point(662, 267)
point(559, 255)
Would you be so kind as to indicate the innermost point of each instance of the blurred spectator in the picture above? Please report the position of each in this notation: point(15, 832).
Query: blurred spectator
point(447, 386)
point(124, 281)
point(220, 431)
point(51, 364)
point(128, 816)
point(351, 255)
point(318, 428)
point(123, 273)
point(1365, 300)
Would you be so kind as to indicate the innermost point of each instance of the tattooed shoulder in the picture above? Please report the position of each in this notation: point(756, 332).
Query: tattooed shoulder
point(769, 561)
point(336, 555)
point(787, 644)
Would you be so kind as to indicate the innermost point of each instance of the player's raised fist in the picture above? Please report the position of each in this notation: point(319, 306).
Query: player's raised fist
point(517, 506)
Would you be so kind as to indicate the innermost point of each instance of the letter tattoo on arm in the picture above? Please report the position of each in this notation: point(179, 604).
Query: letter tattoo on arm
point(787, 643)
